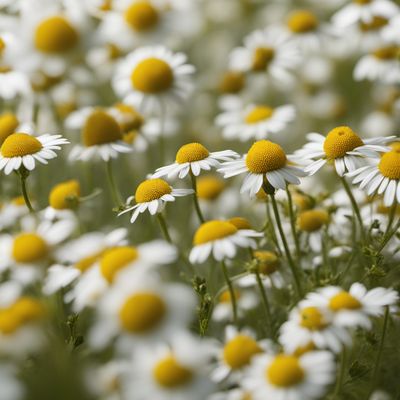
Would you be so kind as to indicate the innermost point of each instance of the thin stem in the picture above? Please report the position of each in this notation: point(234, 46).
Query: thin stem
point(265, 301)
point(195, 198)
point(269, 225)
point(286, 247)
point(342, 371)
point(164, 228)
point(293, 223)
point(391, 218)
point(389, 235)
point(231, 292)
point(112, 185)
point(161, 139)
point(23, 178)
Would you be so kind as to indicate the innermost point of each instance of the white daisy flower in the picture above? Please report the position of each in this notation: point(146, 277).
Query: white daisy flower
point(363, 10)
point(153, 78)
point(152, 195)
point(24, 150)
point(342, 147)
point(255, 121)
point(265, 162)
point(353, 308)
point(287, 377)
point(12, 211)
point(391, 32)
point(11, 387)
point(193, 158)
point(101, 135)
point(270, 51)
point(382, 178)
point(221, 239)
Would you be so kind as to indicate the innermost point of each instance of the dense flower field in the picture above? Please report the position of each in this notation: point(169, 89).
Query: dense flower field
point(199, 199)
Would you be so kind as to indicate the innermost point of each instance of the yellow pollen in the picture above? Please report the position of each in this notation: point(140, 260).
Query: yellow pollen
point(8, 124)
point(389, 165)
point(311, 318)
point(55, 35)
point(376, 23)
point(240, 223)
point(285, 371)
point(339, 141)
point(225, 296)
point(268, 262)
point(29, 247)
point(259, 113)
point(209, 187)
point(65, 195)
point(344, 301)
point(142, 312)
point(100, 128)
point(213, 230)
point(151, 189)
point(239, 351)
point(302, 21)
point(115, 260)
point(19, 145)
point(386, 53)
point(395, 145)
point(152, 76)
point(232, 82)
point(131, 119)
point(141, 16)
point(312, 220)
point(262, 57)
point(191, 152)
point(265, 156)
point(170, 374)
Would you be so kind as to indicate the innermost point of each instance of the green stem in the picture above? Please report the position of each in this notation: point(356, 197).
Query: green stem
point(265, 301)
point(342, 371)
point(293, 223)
point(391, 218)
point(195, 198)
point(231, 292)
point(23, 178)
point(388, 236)
point(112, 185)
point(269, 226)
point(164, 228)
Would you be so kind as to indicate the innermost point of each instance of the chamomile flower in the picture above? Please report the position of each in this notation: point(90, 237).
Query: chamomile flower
point(354, 307)
point(12, 211)
point(101, 135)
point(288, 377)
point(221, 239)
point(192, 158)
point(382, 178)
point(313, 222)
point(341, 147)
point(11, 123)
point(265, 161)
point(255, 121)
point(391, 32)
point(24, 150)
point(153, 78)
point(152, 195)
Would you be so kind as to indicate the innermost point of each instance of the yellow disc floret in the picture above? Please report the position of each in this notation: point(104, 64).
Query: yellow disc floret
point(312, 220)
point(267, 261)
point(226, 297)
point(209, 187)
point(240, 222)
point(100, 128)
point(55, 35)
point(386, 53)
point(312, 318)
point(389, 165)
point(302, 21)
point(8, 124)
point(130, 118)
point(116, 259)
point(344, 301)
point(142, 16)
point(170, 374)
point(65, 195)
point(339, 141)
point(259, 113)
point(19, 145)
point(152, 189)
point(265, 156)
point(262, 57)
point(29, 247)
point(213, 230)
point(152, 76)
point(232, 82)
point(285, 371)
point(191, 152)
point(239, 351)
point(142, 312)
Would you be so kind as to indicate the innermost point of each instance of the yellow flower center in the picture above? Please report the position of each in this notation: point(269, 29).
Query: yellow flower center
point(130, 137)
point(213, 230)
point(55, 35)
point(226, 297)
point(116, 259)
point(259, 113)
point(100, 128)
point(265, 156)
point(262, 57)
point(344, 301)
point(8, 124)
point(2, 46)
point(65, 195)
point(304, 349)
point(395, 145)
point(18, 201)
point(29, 247)
point(239, 351)
point(209, 187)
point(376, 23)
point(312, 220)
point(389, 165)
point(302, 21)
point(268, 262)
point(141, 16)
point(285, 371)
point(152, 76)
point(19, 145)
point(191, 152)
point(151, 189)
point(240, 222)
point(142, 312)
point(362, 1)
point(131, 119)
point(232, 82)
point(386, 53)
point(169, 374)
point(302, 201)
point(86, 262)
point(339, 141)
point(312, 318)
point(9, 322)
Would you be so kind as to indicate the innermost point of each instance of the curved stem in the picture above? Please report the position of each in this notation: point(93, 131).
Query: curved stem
point(231, 292)
point(112, 185)
point(389, 235)
point(164, 228)
point(23, 178)
point(195, 198)
point(265, 301)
